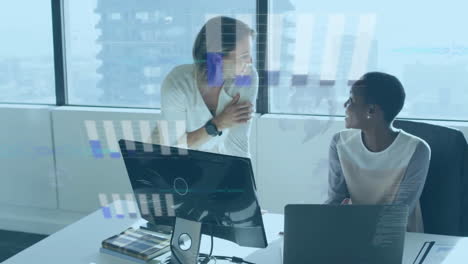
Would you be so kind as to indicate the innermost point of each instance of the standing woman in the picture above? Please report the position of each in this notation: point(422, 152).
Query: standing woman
point(372, 162)
point(209, 104)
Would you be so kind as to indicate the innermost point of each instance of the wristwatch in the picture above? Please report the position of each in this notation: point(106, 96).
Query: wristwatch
point(211, 129)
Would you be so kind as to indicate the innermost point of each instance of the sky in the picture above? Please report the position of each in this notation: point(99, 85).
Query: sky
point(438, 24)
point(23, 23)
point(427, 33)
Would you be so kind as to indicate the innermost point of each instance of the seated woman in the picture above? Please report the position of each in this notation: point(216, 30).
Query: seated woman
point(214, 97)
point(374, 163)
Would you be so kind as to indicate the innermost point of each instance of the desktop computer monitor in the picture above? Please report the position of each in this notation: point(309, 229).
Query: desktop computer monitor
point(217, 191)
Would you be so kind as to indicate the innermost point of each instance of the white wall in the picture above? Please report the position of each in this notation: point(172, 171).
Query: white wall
point(26, 157)
point(289, 154)
point(82, 176)
point(293, 159)
point(28, 189)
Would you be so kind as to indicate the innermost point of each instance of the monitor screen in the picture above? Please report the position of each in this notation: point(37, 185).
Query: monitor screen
point(216, 190)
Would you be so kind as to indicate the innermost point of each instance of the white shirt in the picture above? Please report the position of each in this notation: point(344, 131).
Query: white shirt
point(395, 175)
point(182, 105)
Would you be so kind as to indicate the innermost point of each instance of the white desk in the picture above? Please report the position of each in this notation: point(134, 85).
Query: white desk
point(80, 243)
point(414, 241)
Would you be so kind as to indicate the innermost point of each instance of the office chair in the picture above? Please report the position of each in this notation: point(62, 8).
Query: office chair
point(444, 200)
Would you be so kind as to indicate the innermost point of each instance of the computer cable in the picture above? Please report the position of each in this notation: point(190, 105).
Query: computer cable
point(233, 259)
point(208, 257)
point(236, 260)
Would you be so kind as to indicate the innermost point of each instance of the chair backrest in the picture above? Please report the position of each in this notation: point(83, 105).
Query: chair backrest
point(444, 201)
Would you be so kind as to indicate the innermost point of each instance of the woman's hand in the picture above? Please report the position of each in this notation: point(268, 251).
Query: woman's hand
point(233, 114)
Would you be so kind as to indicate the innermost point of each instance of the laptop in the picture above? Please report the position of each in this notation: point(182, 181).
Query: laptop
point(357, 234)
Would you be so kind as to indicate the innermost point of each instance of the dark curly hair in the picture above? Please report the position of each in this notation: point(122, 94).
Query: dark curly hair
point(384, 90)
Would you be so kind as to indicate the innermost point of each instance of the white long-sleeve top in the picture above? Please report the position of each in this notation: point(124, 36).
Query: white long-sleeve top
point(395, 175)
point(182, 105)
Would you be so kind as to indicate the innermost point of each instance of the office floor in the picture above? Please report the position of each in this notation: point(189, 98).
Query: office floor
point(12, 243)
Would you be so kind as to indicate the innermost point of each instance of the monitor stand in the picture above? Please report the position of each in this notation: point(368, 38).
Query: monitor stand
point(185, 241)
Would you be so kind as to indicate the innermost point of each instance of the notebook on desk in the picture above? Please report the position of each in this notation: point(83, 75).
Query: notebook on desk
point(139, 245)
point(358, 234)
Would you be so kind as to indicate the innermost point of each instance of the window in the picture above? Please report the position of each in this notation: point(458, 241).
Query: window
point(317, 49)
point(119, 51)
point(26, 53)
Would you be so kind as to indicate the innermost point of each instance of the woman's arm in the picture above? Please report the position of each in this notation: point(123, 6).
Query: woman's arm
point(171, 130)
point(337, 188)
point(197, 137)
point(411, 186)
point(238, 141)
point(235, 114)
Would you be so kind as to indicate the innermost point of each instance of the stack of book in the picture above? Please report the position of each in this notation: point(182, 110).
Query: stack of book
point(138, 245)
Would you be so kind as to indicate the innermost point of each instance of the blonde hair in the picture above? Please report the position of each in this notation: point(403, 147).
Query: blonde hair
point(232, 30)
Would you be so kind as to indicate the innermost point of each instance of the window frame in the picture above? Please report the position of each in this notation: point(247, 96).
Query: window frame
point(263, 103)
point(60, 64)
